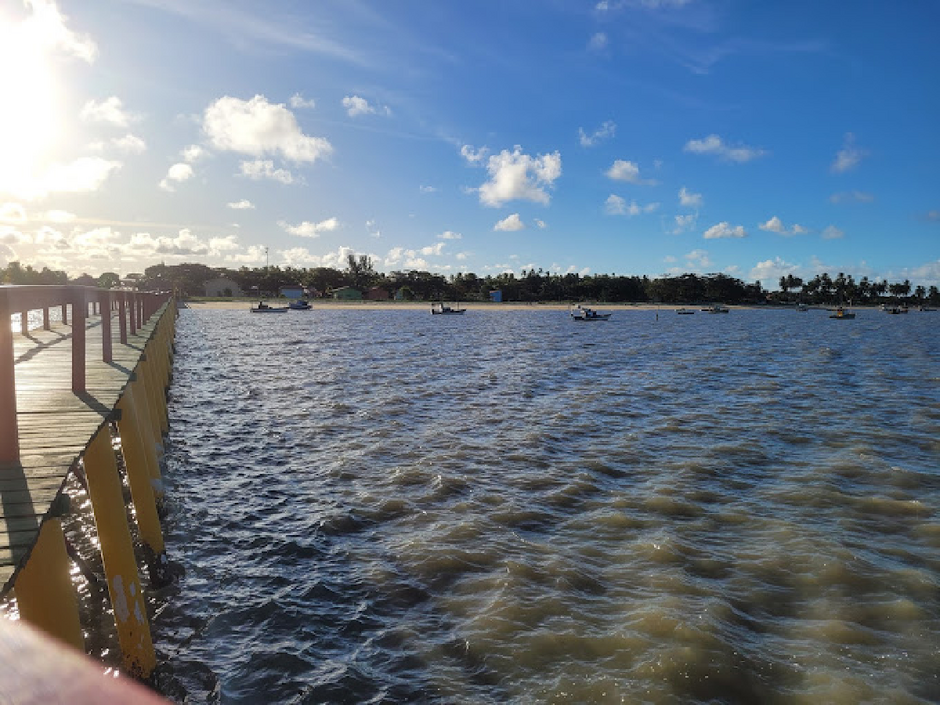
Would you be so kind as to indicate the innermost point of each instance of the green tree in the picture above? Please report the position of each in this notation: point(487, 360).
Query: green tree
point(109, 280)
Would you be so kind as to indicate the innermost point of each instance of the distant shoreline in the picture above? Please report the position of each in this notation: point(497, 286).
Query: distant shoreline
point(244, 304)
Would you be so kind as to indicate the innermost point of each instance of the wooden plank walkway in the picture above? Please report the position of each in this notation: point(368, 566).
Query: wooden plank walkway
point(56, 424)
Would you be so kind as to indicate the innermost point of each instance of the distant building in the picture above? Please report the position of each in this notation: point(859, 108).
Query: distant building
point(377, 293)
point(347, 293)
point(293, 292)
point(496, 296)
point(222, 286)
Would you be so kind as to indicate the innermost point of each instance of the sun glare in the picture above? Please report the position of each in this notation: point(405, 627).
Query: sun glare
point(29, 122)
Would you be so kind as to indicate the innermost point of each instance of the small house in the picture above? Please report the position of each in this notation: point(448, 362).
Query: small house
point(377, 293)
point(294, 291)
point(347, 293)
point(496, 296)
point(222, 286)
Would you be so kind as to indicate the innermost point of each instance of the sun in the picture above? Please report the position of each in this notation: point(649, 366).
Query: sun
point(30, 118)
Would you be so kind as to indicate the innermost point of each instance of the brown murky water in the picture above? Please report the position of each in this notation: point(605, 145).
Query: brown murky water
point(385, 506)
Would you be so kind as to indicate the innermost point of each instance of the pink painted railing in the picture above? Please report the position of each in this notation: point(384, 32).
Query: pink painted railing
point(133, 307)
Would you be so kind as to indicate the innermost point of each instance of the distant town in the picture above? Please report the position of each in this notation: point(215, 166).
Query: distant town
point(359, 280)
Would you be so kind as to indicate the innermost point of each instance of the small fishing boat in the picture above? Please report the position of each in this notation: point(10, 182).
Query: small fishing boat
point(717, 308)
point(685, 311)
point(895, 310)
point(583, 313)
point(445, 310)
point(802, 307)
point(299, 305)
point(262, 307)
point(842, 314)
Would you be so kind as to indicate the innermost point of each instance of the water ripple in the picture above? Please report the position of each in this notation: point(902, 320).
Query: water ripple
point(379, 506)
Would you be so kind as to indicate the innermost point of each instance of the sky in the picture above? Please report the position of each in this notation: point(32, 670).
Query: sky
point(629, 137)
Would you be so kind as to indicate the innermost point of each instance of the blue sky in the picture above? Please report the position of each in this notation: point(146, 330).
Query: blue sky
point(628, 137)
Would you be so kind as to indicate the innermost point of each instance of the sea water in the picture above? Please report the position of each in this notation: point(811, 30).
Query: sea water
point(510, 506)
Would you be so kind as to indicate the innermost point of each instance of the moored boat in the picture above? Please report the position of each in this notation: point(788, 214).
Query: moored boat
point(583, 313)
point(842, 314)
point(443, 309)
point(685, 311)
point(299, 305)
point(717, 308)
point(262, 307)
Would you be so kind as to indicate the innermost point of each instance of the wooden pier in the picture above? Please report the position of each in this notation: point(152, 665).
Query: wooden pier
point(63, 386)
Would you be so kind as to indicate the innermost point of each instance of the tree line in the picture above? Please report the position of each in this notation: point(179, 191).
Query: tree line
point(529, 286)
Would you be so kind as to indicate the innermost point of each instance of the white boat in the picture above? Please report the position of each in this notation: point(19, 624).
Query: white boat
point(445, 310)
point(685, 311)
point(299, 305)
point(802, 307)
point(717, 308)
point(262, 307)
point(583, 313)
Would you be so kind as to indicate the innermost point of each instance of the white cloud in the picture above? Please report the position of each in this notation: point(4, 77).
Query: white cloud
point(356, 105)
point(264, 169)
point(436, 249)
point(450, 235)
point(831, 232)
point(298, 101)
point(615, 205)
point(308, 229)
point(769, 271)
point(699, 259)
point(598, 42)
point(193, 153)
point(714, 145)
point(57, 216)
point(514, 175)
point(684, 223)
point(45, 28)
point(12, 213)
point(723, 230)
point(427, 189)
point(510, 223)
point(243, 204)
point(541, 224)
point(775, 225)
point(257, 128)
point(622, 170)
point(373, 229)
point(608, 129)
point(110, 111)
point(128, 144)
point(933, 216)
point(83, 175)
point(851, 197)
point(418, 263)
point(849, 156)
point(473, 156)
point(178, 173)
point(688, 199)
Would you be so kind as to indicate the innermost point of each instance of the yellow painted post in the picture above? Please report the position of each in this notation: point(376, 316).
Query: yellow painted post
point(144, 368)
point(138, 474)
point(117, 552)
point(141, 409)
point(159, 391)
point(44, 591)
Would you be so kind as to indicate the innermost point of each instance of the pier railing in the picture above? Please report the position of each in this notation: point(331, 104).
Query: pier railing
point(69, 391)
